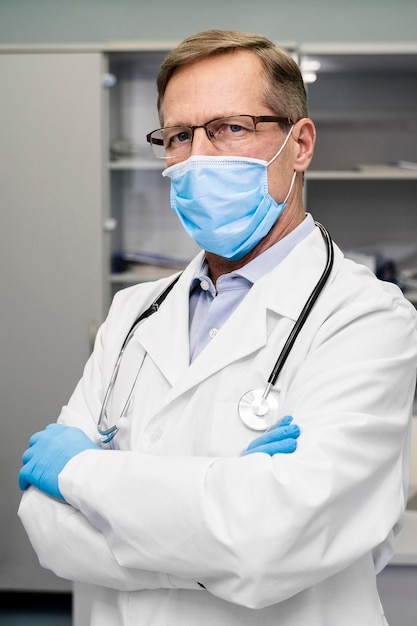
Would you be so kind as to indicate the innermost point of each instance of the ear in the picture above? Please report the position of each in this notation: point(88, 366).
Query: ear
point(304, 135)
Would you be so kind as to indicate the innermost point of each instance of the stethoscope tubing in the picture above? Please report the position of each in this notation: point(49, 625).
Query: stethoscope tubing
point(306, 309)
point(259, 408)
point(109, 433)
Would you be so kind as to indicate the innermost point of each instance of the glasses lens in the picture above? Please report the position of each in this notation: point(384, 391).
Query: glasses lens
point(231, 133)
point(171, 142)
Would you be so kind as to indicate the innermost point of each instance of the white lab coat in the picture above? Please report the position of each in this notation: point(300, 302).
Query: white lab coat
point(289, 539)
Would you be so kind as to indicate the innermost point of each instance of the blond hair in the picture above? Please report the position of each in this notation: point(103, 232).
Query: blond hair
point(284, 90)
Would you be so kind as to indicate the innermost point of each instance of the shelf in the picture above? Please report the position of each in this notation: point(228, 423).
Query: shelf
point(362, 57)
point(404, 120)
point(137, 164)
point(381, 173)
point(147, 273)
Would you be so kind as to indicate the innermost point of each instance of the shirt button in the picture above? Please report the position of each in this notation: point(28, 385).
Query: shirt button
point(205, 285)
point(213, 332)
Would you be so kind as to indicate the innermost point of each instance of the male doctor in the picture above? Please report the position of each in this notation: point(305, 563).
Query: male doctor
point(186, 515)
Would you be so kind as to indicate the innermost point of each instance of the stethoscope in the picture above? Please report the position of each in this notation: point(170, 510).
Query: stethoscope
point(257, 408)
point(109, 433)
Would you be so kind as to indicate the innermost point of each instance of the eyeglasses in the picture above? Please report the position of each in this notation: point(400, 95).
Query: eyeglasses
point(229, 134)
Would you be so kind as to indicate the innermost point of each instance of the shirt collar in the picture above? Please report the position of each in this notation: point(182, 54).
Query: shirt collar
point(269, 259)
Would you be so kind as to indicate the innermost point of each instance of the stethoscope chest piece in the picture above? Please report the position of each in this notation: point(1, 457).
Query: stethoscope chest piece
point(257, 410)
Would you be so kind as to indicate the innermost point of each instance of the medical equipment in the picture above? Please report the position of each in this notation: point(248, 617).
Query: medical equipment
point(108, 434)
point(258, 408)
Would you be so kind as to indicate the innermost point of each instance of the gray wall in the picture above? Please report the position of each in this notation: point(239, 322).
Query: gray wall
point(300, 21)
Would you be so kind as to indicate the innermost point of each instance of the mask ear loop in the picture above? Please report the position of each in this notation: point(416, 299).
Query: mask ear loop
point(281, 148)
point(276, 156)
point(291, 186)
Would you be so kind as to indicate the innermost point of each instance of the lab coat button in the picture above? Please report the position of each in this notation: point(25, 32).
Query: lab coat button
point(213, 332)
point(205, 285)
point(155, 435)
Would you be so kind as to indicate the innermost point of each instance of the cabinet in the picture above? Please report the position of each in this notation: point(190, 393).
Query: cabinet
point(363, 105)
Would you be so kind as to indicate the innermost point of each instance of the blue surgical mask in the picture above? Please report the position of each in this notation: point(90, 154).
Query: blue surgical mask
point(223, 202)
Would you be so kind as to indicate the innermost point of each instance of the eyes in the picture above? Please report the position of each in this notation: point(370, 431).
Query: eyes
point(217, 130)
point(182, 137)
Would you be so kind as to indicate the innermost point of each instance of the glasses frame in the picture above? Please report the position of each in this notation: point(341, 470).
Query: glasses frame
point(287, 121)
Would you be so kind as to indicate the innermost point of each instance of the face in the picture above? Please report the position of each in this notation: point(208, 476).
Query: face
point(228, 84)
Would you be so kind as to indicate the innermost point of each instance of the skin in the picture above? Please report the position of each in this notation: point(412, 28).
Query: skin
point(231, 84)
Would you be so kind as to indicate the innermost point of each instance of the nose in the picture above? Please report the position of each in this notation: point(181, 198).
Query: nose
point(201, 143)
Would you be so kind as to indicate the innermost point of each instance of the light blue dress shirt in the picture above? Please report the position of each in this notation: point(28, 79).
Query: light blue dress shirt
point(210, 306)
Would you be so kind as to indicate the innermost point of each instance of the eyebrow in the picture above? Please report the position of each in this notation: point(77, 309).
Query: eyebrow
point(212, 119)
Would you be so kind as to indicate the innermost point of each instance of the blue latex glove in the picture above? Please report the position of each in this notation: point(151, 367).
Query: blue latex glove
point(281, 438)
point(49, 452)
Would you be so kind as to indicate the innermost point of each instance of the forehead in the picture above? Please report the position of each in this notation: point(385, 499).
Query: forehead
point(225, 84)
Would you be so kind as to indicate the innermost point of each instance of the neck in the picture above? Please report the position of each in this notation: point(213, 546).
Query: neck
point(290, 219)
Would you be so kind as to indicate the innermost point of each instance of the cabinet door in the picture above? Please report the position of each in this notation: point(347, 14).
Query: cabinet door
point(50, 262)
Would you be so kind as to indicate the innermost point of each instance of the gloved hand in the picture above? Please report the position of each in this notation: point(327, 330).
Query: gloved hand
point(281, 438)
point(49, 452)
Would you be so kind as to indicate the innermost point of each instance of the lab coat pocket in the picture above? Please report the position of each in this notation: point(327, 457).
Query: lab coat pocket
point(228, 436)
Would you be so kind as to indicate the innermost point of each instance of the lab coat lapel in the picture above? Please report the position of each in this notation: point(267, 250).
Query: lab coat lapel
point(164, 335)
point(281, 293)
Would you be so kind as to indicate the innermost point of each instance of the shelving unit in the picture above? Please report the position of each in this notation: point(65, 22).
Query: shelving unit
point(141, 219)
point(363, 106)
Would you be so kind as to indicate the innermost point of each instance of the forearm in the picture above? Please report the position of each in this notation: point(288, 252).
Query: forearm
point(66, 543)
point(253, 530)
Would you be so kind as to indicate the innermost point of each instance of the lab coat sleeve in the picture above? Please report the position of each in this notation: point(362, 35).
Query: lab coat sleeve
point(64, 539)
point(256, 530)
point(72, 548)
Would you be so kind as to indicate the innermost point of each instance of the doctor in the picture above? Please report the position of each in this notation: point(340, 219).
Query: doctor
point(185, 516)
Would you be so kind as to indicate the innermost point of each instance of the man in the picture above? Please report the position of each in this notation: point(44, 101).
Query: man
point(186, 517)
